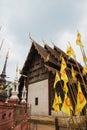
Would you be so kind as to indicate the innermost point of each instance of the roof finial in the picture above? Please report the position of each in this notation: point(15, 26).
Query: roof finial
point(52, 43)
point(47, 58)
point(30, 38)
point(44, 43)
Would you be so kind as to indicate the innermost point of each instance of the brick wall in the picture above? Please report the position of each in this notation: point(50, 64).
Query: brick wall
point(13, 117)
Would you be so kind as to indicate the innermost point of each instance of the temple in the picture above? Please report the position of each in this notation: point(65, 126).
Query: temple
point(47, 74)
point(40, 68)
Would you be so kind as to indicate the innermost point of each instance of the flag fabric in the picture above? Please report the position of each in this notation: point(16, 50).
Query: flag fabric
point(70, 51)
point(60, 100)
point(81, 100)
point(78, 40)
point(57, 78)
point(73, 73)
point(55, 105)
point(63, 65)
point(84, 71)
point(65, 87)
point(67, 106)
point(63, 71)
point(84, 58)
point(64, 76)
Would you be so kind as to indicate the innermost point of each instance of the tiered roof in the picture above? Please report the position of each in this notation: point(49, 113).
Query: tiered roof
point(52, 59)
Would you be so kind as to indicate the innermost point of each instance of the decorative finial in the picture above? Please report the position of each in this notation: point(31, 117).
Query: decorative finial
point(44, 43)
point(47, 58)
point(24, 95)
point(30, 38)
point(52, 43)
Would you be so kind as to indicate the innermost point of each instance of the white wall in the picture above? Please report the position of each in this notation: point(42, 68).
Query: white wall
point(40, 90)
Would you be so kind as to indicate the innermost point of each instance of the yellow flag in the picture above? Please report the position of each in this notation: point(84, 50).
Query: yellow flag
point(81, 101)
point(63, 71)
point(84, 58)
point(63, 65)
point(67, 106)
point(64, 76)
point(57, 78)
point(56, 103)
point(70, 51)
point(60, 100)
point(78, 40)
point(84, 71)
point(65, 88)
point(73, 73)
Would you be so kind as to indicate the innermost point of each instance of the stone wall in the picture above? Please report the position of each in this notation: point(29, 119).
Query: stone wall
point(13, 117)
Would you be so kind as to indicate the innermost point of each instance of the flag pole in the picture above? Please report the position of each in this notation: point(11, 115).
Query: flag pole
point(79, 42)
point(67, 123)
point(71, 101)
point(74, 99)
point(84, 56)
point(74, 90)
point(81, 76)
point(1, 44)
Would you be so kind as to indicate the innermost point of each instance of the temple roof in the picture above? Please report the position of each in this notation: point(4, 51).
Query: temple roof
point(49, 55)
point(41, 51)
point(51, 58)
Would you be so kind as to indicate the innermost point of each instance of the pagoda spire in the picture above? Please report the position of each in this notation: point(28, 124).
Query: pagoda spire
point(3, 74)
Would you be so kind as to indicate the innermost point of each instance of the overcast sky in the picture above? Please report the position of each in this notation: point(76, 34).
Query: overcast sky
point(49, 20)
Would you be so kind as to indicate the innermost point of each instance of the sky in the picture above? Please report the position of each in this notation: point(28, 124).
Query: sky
point(50, 20)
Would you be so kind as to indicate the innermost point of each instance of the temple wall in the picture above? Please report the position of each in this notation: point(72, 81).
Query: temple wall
point(39, 92)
